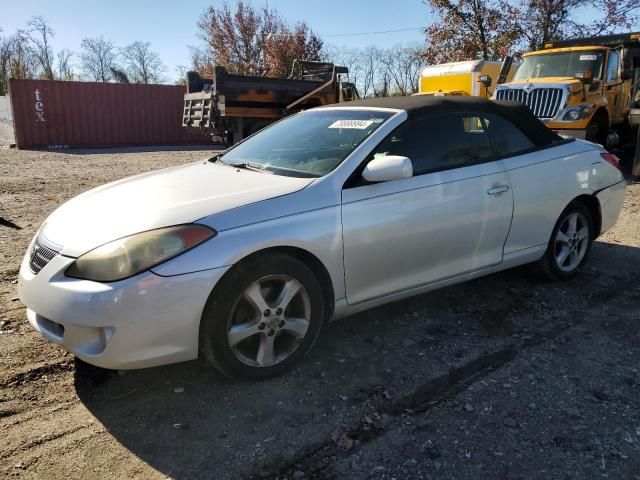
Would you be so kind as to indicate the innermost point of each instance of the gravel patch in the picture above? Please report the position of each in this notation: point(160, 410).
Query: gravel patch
point(6, 133)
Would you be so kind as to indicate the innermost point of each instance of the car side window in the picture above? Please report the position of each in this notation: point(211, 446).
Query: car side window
point(439, 142)
point(613, 66)
point(506, 138)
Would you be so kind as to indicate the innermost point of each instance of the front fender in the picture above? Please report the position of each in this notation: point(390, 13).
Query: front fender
point(317, 232)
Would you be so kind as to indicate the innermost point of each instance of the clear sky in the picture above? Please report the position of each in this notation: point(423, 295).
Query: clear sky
point(171, 25)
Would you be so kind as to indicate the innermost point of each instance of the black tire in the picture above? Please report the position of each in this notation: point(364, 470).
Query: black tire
point(223, 302)
point(597, 132)
point(548, 264)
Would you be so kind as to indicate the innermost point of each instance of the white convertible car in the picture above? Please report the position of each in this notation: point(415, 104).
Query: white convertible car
point(242, 258)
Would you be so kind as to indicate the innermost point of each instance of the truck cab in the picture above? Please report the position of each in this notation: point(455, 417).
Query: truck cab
point(579, 87)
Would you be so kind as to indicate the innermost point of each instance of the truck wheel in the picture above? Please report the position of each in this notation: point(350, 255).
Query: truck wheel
point(597, 132)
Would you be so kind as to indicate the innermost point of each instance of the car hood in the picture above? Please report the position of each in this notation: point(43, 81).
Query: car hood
point(163, 198)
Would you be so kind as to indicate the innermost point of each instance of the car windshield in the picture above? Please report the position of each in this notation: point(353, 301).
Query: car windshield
point(309, 144)
point(561, 64)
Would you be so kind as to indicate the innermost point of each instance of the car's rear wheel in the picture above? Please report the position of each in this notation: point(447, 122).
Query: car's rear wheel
point(263, 317)
point(570, 243)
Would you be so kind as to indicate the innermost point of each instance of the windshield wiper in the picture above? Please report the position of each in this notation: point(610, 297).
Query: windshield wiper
point(218, 159)
point(256, 167)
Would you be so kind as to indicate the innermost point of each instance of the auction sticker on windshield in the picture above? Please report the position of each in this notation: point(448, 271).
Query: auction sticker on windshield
point(357, 124)
point(588, 57)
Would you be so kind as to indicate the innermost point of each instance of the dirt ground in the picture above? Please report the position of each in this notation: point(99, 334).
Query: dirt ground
point(6, 133)
point(505, 377)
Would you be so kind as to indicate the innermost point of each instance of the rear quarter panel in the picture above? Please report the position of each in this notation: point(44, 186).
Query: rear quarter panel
point(611, 201)
point(544, 183)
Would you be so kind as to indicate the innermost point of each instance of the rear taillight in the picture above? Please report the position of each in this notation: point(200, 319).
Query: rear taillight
point(612, 159)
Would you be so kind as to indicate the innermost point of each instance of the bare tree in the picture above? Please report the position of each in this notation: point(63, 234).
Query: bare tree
point(39, 33)
point(201, 59)
point(402, 66)
point(381, 71)
point(612, 16)
point(22, 63)
point(361, 63)
point(350, 58)
point(4, 65)
point(142, 64)
point(97, 56)
point(16, 59)
point(181, 73)
point(65, 69)
point(370, 57)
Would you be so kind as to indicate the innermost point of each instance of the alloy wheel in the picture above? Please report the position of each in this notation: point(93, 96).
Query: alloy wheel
point(269, 320)
point(571, 242)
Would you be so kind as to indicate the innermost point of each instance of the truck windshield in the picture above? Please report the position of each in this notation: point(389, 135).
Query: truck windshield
point(561, 64)
point(309, 144)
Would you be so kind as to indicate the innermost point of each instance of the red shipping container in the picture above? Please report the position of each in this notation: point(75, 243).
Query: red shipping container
point(57, 114)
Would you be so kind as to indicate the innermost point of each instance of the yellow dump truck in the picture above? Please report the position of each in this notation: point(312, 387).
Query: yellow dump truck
point(474, 78)
point(582, 87)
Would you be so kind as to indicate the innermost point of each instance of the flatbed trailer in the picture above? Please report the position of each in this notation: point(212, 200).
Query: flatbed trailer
point(231, 107)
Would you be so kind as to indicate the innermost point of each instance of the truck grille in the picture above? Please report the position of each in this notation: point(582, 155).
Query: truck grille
point(40, 256)
point(543, 102)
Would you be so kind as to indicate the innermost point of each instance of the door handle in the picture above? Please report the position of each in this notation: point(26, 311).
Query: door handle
point(498, 190)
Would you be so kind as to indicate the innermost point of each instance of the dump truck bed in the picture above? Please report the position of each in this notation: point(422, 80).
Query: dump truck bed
point(208, 102)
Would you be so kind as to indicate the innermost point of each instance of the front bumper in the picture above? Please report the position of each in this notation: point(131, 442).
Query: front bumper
point(143, 321)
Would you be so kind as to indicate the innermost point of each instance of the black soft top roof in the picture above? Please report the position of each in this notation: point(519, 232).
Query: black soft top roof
point(420, 105)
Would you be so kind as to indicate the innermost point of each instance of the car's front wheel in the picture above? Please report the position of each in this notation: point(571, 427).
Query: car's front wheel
point(263, 317)
point(570, 243)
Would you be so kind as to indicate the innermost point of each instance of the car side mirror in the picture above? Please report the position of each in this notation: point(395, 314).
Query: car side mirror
point(585, 77)
point(485, 80)
point(385, 168)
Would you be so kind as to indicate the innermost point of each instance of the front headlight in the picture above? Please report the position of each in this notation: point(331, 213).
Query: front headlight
point(573, 114)
point(131, 255)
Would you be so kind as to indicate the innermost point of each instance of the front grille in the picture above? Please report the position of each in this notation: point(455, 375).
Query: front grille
point(543, 102)
point(40, 256)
